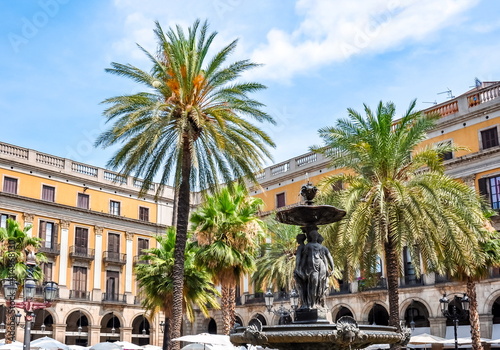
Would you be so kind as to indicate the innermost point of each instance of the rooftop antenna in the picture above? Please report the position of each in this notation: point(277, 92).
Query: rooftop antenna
point(433, 102)
point(450, 94)
point(477, 83)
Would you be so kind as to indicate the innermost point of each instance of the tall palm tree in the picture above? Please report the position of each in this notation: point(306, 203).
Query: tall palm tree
point(276, 265)
point(14, 245)
point(398, 196)
point(229, 233)
point(156, 281)
point(192, 125)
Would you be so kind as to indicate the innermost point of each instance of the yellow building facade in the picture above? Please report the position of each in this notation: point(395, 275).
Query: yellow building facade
point(94, 226)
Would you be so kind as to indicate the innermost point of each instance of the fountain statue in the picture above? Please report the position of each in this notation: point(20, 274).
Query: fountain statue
point(310, 328)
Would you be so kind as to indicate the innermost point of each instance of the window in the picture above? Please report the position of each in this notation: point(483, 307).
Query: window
point(3, 219)
point(79, 281)
point(81, 240)
point(446, 155)
point(10, 185)
point(142, 245)
point(48, 193)
point(490, 188)
point(83, 201)
point(143, 214)
point(114, 207)
point(114, 245)
point(112, 285)
point(489, 138)
point(48, 233)
point(280, 200)
point(47, 271)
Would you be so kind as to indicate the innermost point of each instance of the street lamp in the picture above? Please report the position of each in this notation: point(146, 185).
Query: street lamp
point(28, 305)
point(282, 312)
point(455, 314)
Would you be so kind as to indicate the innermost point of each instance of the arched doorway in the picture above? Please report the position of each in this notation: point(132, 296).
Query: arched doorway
point(495, 310)
point(417, 314)
point(212, 327)
point(77, 329)
point(378, 315)
point(140, 330)
point(43, 325)
point(110, 328)
point(463, 329)
point(343, 311)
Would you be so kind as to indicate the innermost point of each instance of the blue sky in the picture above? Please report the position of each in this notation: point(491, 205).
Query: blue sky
point(319, 58)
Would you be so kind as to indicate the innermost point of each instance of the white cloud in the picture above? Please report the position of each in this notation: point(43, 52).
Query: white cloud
point(333, 31)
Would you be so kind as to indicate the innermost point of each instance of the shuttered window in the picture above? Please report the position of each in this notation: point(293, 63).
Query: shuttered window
point(280, 200)
point(10, 185)
point(48, 193)
point(83, 201)
point(81, 240)
point(489, 138)
point(143, 213)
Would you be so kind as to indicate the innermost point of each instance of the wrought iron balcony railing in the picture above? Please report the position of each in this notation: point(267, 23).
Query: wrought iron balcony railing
point(55, 249)
point(114, 257)
point(114, 298)
point(79, 294)
point(83, 253)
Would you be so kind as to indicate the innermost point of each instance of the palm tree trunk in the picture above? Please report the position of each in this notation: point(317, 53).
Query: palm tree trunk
point(392, 285)
point(10, 327)
point(180, 245)
point(474, 315)
point(227, 307)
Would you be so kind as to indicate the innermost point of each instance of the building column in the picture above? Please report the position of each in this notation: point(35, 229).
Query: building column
point(63, 256)
point(126, 334)
point(94, 334)
point(129, 264)
point(28, 221)
point(97, 292)
point(486, 324)
point(59, 332)
point(438, 326)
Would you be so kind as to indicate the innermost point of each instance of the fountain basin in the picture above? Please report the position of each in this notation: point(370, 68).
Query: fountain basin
point(305, 215)
point(319, 336)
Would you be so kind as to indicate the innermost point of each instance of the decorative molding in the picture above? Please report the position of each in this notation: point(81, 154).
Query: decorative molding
point(98, 230)
point(129, 235)
point(28, 218)
point(65, 224)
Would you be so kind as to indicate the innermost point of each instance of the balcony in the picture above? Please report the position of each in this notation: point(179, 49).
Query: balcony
point(411, 280)
point(114, 258)
point(79, 294)
point(39, 294)
point(344, 288)
point(81, 253)
point(137, 300)
point(114, 298)
point(372, 284)
point(54, 250)
point(254, 298)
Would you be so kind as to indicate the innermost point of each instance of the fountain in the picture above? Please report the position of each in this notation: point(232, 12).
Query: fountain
point(310, 328)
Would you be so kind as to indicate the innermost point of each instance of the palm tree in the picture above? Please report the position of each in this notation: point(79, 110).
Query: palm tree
point(397, 196)
point(192, 126)
point(15, 244)
point(276, 265)
point(156, 281)
point(228, 231)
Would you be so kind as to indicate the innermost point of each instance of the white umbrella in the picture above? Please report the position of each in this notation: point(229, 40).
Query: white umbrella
point(461, 341)
point(129, 346)
point(78, 347)
point(152, 347)
point(15, 345)
point(48, 343)
point(206, 338)
point(197, 346)
point(106, 346)
point(425, 338)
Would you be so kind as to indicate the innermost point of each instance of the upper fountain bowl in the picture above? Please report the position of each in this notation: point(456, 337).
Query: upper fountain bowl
point(304, 215)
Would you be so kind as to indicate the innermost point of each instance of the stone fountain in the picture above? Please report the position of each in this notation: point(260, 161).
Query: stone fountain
point(310, 328)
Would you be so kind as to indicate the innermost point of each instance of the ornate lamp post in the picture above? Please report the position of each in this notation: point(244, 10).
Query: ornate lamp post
point(455, 314)
point(10, 286)
point(282, 312)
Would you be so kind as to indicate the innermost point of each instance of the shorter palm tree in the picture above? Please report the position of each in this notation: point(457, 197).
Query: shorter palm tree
point(156, 286)
point(15, 244)
point(228, 231)
point(276, 265)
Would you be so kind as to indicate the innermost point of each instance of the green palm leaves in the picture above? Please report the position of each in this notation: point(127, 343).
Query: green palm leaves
point(229, 234)
point(155, 279)
point(191, 100)
point(396, 195)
